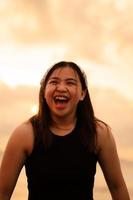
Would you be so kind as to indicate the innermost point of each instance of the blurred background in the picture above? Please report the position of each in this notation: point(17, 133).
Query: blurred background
point(97, 35)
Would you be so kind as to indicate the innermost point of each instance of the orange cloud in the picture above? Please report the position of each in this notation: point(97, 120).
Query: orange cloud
point(114, 109)
point(16, 105)
point(93, 30)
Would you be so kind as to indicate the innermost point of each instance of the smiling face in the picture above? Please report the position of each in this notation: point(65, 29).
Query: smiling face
point(63, 92)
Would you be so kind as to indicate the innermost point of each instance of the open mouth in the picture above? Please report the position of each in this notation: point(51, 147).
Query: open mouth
point(61, 99)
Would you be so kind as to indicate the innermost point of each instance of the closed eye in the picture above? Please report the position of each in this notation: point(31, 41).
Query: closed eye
point(52, 82)
point(71, 83)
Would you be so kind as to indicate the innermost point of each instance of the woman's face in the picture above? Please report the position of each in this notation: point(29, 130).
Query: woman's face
point(63, 92)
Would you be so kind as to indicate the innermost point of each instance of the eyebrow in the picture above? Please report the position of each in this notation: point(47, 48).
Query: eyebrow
point(67, 79)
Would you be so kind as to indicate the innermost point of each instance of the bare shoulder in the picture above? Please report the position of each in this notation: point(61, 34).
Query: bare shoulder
point(104, 136)
point(23, 136)
point(18, 147)
point(24, 128)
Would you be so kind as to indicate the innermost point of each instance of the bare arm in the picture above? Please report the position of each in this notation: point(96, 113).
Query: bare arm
point(18, 147)
point(109, 162)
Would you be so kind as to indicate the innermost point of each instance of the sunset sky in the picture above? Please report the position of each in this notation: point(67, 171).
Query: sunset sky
point(97, 35)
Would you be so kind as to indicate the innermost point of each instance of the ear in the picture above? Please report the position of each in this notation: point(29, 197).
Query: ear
point(83, 94)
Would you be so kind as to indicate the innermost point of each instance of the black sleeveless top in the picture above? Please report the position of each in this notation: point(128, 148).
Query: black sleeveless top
point(65, 171)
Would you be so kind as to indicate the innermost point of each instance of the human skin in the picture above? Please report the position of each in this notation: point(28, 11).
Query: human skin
point(63, 115)
point(65, 84)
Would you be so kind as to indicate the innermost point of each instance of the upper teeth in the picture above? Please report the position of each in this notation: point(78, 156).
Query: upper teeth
point(60, 98)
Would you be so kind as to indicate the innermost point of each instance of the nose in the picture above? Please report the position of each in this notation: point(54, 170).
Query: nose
point(61, 87)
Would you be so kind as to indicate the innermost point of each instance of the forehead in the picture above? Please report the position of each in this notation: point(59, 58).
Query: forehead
point(64, 72)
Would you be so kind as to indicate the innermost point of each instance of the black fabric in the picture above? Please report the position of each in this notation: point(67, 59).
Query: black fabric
point(64, 171)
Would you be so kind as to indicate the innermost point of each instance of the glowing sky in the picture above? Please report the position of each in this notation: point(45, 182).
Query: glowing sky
point(97, 35)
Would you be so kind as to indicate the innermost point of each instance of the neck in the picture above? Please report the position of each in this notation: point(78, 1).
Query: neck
point(63, 124)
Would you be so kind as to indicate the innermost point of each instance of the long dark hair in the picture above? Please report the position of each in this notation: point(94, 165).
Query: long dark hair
point(86, 120)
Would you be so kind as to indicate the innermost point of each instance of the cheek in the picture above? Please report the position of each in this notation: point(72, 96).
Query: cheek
point(77, 92)
point(48, 91)
point(47, 97)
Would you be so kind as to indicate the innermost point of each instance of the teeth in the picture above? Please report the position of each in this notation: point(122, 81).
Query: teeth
point(61, 98)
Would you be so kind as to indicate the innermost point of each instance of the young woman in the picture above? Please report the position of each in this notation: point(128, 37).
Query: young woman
point(61, 145)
